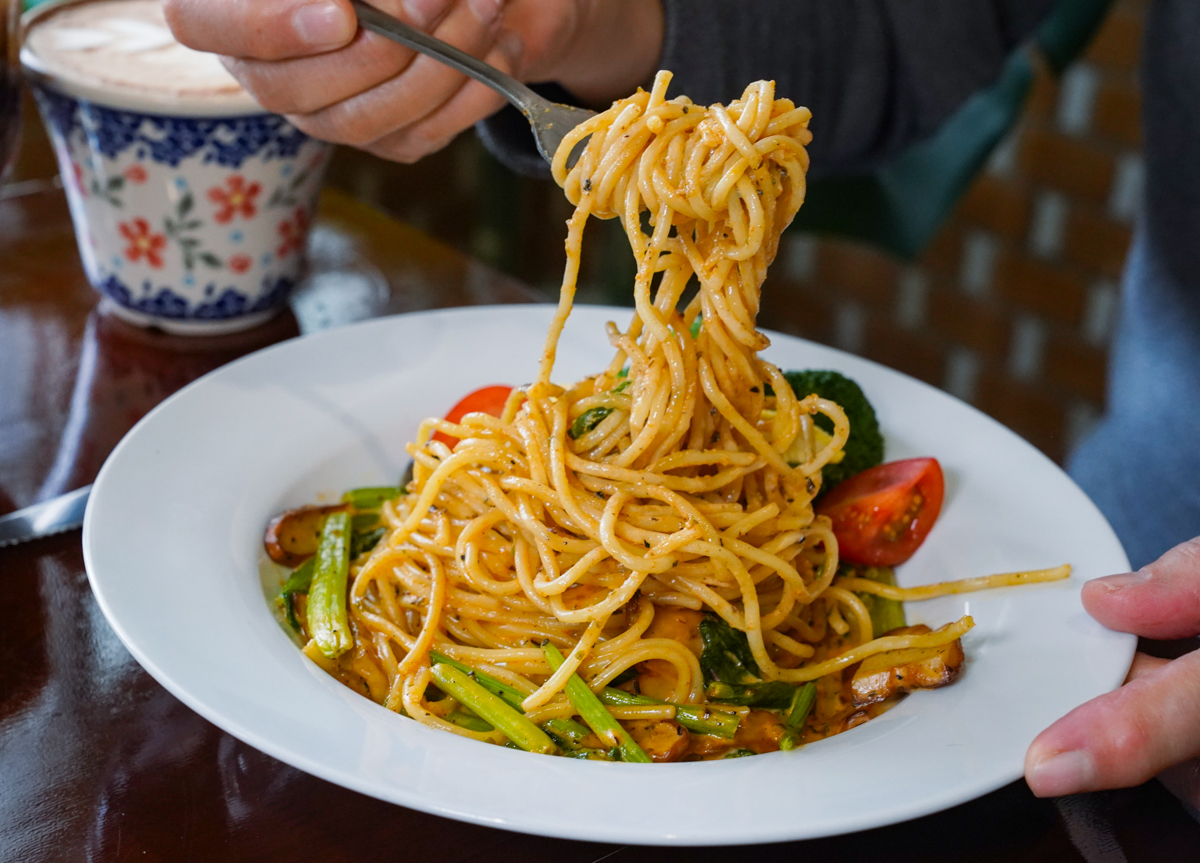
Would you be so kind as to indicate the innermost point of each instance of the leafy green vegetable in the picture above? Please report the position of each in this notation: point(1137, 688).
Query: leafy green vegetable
point(363, 541)
point(587, 421)
point(696, 324)
point(864, 447)
point(364, 521)
point(775, 695)
point(622, 386)
point(730, 672)
point(726, 655)
point(300, 578)
point(297, 582)
point(886, 614)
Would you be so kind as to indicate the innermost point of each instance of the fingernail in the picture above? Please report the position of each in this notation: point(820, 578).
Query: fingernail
point(1125, 579)
point(323, 25)
point(422, 13)
point(1065, 773)
point(486, 11)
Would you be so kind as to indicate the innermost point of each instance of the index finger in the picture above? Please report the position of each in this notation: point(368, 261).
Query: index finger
point(262, 29)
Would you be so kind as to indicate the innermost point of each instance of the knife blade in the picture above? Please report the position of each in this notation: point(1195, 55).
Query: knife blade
point(47, 518)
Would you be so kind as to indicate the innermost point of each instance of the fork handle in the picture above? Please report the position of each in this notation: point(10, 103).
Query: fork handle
point(392, 28)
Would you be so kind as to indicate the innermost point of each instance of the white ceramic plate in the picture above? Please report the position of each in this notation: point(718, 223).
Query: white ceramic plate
point(172, 542)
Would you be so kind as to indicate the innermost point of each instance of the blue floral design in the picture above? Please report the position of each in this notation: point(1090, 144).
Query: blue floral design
point(231, 303)
point(226, 141)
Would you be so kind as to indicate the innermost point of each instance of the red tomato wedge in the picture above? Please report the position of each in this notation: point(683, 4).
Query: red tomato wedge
point(488, 400)
point(882, 515)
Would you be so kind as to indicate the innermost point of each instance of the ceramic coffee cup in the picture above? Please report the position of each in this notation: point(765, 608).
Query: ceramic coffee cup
point(191, 204)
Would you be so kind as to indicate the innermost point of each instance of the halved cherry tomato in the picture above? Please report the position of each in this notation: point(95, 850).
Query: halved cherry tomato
point(488, 400)
point(882, 515)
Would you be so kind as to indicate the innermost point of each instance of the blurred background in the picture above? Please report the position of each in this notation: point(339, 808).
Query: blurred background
point(1011, 307)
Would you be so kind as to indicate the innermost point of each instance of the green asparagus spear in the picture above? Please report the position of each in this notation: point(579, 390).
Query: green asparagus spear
point(512, 696)
point(594, 713)
point(370, 498)
point(468, 721)
point(327, 623)
point(701, 720)
point(567, 733)
point(492, 709)
point(801, 706)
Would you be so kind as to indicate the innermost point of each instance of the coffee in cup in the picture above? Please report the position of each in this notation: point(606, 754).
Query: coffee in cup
point(191, 204)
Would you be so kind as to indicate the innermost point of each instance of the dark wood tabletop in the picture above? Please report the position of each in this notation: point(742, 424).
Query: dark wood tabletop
point(99, 763)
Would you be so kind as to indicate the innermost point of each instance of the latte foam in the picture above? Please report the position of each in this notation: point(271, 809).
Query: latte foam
point(125, 47)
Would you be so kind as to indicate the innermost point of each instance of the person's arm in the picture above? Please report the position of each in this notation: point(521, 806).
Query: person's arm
point(877, 74)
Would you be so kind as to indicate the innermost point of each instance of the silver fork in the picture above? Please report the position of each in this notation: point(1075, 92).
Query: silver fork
point(550, 121)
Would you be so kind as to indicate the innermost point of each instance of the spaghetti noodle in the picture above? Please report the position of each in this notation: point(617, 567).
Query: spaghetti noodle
point(598, 517)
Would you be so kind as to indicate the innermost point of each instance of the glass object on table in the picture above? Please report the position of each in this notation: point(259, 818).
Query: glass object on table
point(10, 84)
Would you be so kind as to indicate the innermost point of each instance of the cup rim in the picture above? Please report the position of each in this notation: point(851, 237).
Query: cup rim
point(38, 72)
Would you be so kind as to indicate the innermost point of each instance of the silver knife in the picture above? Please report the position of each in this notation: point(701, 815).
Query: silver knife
point(44, 519)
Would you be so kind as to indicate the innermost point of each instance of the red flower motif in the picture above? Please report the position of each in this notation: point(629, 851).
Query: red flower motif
point(239, 263)
point(77, 169)
point(292, 232)
point(236, 198)
point(136, 174)
point(142, 242)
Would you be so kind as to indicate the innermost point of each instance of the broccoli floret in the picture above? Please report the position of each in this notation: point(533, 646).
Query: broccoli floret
point(864, 447)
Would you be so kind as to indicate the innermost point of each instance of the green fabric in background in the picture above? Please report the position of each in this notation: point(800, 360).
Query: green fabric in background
point(900, 207)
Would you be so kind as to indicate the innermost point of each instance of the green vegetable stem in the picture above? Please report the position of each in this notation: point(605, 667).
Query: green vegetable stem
point(701, 720)
point(594, 713)
point(371, 497)
point(492, 709)
point(512, 696)
point(327, 623)
point(797, 714)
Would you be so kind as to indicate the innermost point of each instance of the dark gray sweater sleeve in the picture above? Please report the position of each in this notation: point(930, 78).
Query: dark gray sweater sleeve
point(877, 74)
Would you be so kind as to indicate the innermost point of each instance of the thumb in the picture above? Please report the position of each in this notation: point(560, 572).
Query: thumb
point(1160, 600)
point(1124, 737)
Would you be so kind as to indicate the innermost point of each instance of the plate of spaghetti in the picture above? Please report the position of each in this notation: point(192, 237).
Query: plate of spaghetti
point(553, 569)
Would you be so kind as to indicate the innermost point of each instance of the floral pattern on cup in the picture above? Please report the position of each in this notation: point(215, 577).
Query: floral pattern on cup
point(195, 221)
point(143, 243)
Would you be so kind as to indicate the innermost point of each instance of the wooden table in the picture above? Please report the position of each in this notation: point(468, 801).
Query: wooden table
point(98, 762)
